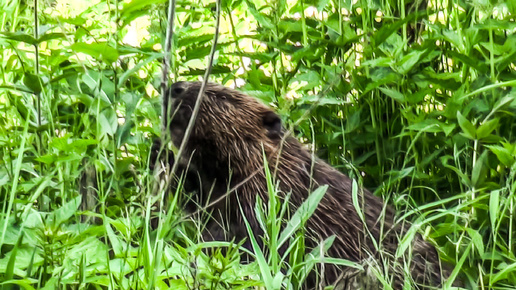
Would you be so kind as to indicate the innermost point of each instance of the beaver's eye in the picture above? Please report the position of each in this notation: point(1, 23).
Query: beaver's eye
point(178, 89)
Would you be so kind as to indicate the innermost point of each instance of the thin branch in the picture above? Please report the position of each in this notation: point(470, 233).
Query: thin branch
point(166, 58)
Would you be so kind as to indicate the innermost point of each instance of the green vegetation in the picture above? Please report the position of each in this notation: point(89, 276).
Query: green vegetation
point(412, 98)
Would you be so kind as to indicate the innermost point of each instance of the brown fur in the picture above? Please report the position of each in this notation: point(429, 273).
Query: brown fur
point(231, 133)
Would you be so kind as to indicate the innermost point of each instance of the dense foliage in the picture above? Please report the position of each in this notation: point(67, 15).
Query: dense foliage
point(413, 99)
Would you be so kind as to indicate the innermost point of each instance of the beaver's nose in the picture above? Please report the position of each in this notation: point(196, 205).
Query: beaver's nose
point(178, 89)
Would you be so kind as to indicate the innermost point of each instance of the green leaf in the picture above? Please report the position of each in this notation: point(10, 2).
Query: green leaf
point(485, 129)
point(4, 178)
point(311, 78)
point(352, 121)
point(262, 19)
point(117, 245)
point(504, 273)
point(108, 122)
point(503, 154)
point(9, 271)
point(343, 262)
point(478, 174)
point(33, 82)
point(476, 238)
point(302, 214)
point(396, 95)
point(476, 63)
point(432, 126)
point(494, 207)
point(101, 51)
point(467, 128)
point(65, 212)
point(457, 268)
point(20, 36)
point(317, 255)
point(501, 103)
point(23, 283)
point(408, 61)
point(407, 239)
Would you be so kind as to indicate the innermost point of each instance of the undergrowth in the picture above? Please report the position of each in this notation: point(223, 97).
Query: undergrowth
point(414, 99)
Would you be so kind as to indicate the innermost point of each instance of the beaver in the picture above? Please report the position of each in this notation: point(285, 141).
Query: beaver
point(231, 135)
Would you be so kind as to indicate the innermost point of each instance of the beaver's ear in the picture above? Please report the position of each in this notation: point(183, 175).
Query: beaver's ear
point(272, 123)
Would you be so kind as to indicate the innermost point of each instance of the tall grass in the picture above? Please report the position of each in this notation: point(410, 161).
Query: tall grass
point(413, 98)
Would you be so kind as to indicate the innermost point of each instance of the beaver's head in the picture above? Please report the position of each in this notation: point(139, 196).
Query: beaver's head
point(229, 122)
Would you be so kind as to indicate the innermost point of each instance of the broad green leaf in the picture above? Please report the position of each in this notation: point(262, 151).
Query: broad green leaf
point(473, 62)
point(396, 95)
point(101, 51)
point(352, 121)
point(418, 97)
point(408, 61)
point(108, 122)
point(311, 78)
point(503, 154)
point(453, 37)
point(115, 241)
point(19, 36)
point(467, 128)
point(501, 103)
point(33, 82)
point(65, 212)
point(9, 271)
point(485, 129)
point(4, 178)
point(432, 126)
